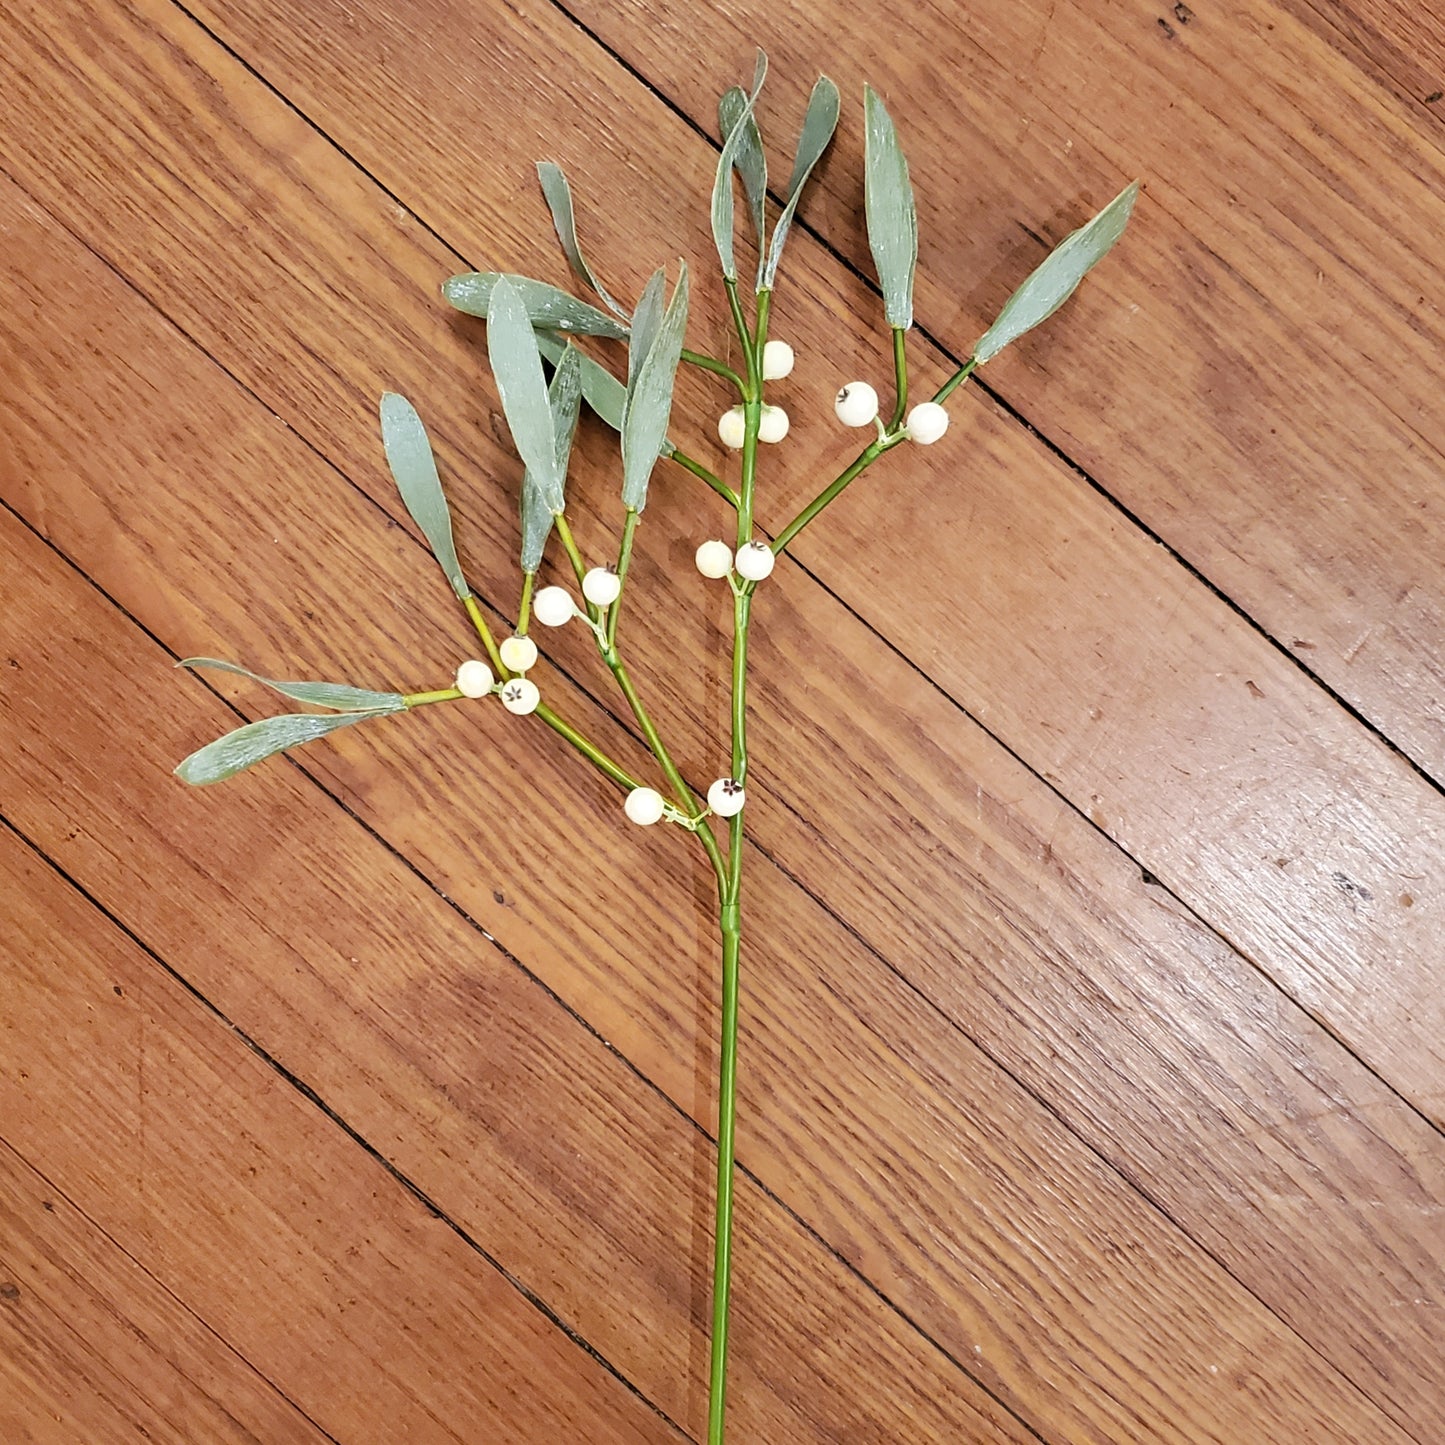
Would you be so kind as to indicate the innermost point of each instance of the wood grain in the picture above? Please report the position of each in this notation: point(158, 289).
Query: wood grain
point(92, 1347)
point(298, 1251)
point(809, 936)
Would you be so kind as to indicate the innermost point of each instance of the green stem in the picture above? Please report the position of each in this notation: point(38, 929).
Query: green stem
point(955, 381)
point(726, 1152)
point(485, 633)
point(421, 699)
point(711, 478)
point(624, 560)
point(711, 363)
point(900, 377)
point(587, 748)
point(861, 462)
point(739, 322)
point(524, 610)
point(575, 557)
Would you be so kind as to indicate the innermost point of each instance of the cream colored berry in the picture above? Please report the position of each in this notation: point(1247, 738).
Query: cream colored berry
point(755, 561)
point(714, 559)
point(732, 428)
point(520, 696)
point(726, 797)
point(553, 607)
point(856, 404)
point(777, 360)
point(602, 586)
point(926, 423)
point(644, 806)
point(518, 653)
point(474, 679)
point(773, 424)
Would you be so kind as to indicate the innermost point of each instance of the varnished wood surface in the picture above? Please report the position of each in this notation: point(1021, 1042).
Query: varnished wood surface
point(1092, 1045)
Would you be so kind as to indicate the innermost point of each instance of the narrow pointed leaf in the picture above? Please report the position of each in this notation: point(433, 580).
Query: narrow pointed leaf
point(258, 741)
point(1054, 279)
point(547, 306)
point(645, 324)
point(749, 161)
point(414, 469)
point(888, 204)
point(559, 202)
point(565, 395)
point(722, 186)
point(819, 123)
point(334, 695)
point(517, 366)
point(649, 401)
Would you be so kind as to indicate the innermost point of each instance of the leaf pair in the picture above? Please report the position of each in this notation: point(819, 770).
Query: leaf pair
point(257, 741)
point(743, 151)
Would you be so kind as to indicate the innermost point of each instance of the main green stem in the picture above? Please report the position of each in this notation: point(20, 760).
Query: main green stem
point(730, 913)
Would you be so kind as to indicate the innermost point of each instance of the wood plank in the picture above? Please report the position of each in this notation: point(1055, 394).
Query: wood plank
point(533, 1134)
point(892, 1016)
point(1252, 377)
point(245, 1202)
point(94, 1348)
point(1269, 822)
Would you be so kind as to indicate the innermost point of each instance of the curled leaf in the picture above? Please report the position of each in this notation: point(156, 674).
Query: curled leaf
point(517, 366)
point(547, 306)
point(335, 695)
point(722, 186)
point(649, 400)
point(819, 123)
point(888, 204)
point(257, 741)
point(1055, 278)
point(414, 468)
point(749, 162)
point(559, 202)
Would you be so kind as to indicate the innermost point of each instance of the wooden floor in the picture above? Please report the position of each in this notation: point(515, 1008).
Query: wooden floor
point(1094, 1030)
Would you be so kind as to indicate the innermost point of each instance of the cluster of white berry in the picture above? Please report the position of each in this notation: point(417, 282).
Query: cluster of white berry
point(647, 806)
point(857, 405)
point(754, 560)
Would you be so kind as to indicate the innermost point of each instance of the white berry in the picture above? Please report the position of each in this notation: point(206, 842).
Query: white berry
point(726, 797)
point(474, 679)
point(643, 805)
point(856, 404)
point(732, 428)
point(602, 586)
point(777, 360)
point(520, 696)
point(773, 426)
point(926, 423)
point(714, 559)
point(518, 653)
point(755, 561)
point(553, 607)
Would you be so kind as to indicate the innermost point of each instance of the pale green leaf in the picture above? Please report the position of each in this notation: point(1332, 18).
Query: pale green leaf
point(335, 695)
point(517, 367)
point(258, 741)
point(649, 401)
point(722, 187)
point(888, 204)
point(749, 161)
point(414, 468)
point(819, 123)
point(565, 396)
point(559, 202)
point(1054, 279)
point(645, 324)
point(547, 306)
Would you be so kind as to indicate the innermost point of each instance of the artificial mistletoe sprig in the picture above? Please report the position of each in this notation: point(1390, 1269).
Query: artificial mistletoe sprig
point(530, 328)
